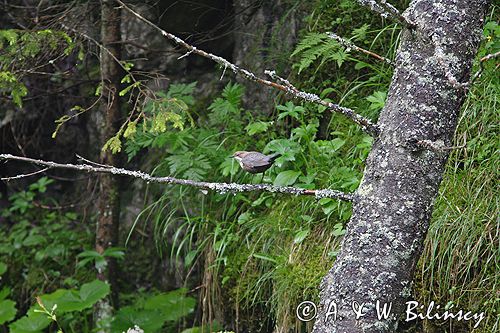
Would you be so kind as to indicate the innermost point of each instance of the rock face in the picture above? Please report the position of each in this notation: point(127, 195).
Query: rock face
point(205, 23)
point(392, 211)
point(265, 34)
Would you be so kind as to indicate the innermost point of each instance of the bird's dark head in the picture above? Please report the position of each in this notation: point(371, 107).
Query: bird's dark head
point(239, 155)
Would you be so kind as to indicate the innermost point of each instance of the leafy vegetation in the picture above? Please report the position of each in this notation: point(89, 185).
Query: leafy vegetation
point(19, 46)
point(257, 251)
point(39, 250)
point(246, 255)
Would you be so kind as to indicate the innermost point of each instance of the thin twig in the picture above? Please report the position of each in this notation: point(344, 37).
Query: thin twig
point(350, 45)
point(481, 68)
point(91, 162)
point(452, 79)
point(386, 10)
point(185, 55)
point(24, 175)
point(221, 188)
point(101, 46)
point(437, 146)
point(365, 123)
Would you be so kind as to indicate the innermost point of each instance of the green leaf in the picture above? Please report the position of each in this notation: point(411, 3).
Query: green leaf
point(91, 292)
point(305, 132)
point(89, 254)
point(3, 268)
point(100, 263)
point(214, 327)
point(300, 236)
point(182, 91)
point(7, 310)
point(360, 65)
point(286, 178)
point(174, 305)
point(128, 316)
point(32, 323)
point(188, 260)
point(83, 262)
point(326, 92)
point(340, 56)
point(192, 330)
point(263, 257)
point(233, 93)
point(245, 217)
point(229, 167)
point(41, 184)
point(60, 122)
point(114, 144)
point(360, 33)
point(377, 100)
point(309, 41)
point(262, 198)
point(131, 129)
point(290, 109)
point(9, 82)
point(328, 205)
point(287, 148)
point(33, 240)
point(98, 90)
point(128, 88)
point(10, 36)
point(257, 127)
point(4, 293)
point(307, 181)
point(338, 230)
point(126, 79)
point(66, 300)
point(81, 54)
point(114, 252)
point(127, 65)
point(337, 143)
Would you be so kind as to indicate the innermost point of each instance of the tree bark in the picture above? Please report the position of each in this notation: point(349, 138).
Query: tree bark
point(394, 201)
point(108, 202)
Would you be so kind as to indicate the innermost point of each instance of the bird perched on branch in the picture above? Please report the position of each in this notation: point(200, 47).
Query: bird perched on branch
point(255, 162)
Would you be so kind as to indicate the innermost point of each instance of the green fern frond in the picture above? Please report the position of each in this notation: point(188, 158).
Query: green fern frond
point(308, 42)
point(318, 47)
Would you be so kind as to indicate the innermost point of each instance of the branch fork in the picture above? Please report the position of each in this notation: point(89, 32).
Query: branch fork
point(386, 10)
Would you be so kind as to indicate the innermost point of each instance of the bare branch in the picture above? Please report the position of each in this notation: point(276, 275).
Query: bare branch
point(350, 45)
point(436, 146)
point(448, 71)
point(24, 175)
point(365, 123)
point(221, 188)
point(481, 68)
point(386, 10)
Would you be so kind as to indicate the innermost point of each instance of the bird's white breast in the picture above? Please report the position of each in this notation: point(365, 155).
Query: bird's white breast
point(239, 159)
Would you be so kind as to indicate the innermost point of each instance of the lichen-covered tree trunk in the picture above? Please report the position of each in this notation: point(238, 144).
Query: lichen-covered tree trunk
point(394, 204)
point(108, 203)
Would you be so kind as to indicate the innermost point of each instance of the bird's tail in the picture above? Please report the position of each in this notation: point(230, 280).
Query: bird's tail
point(273, 157)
